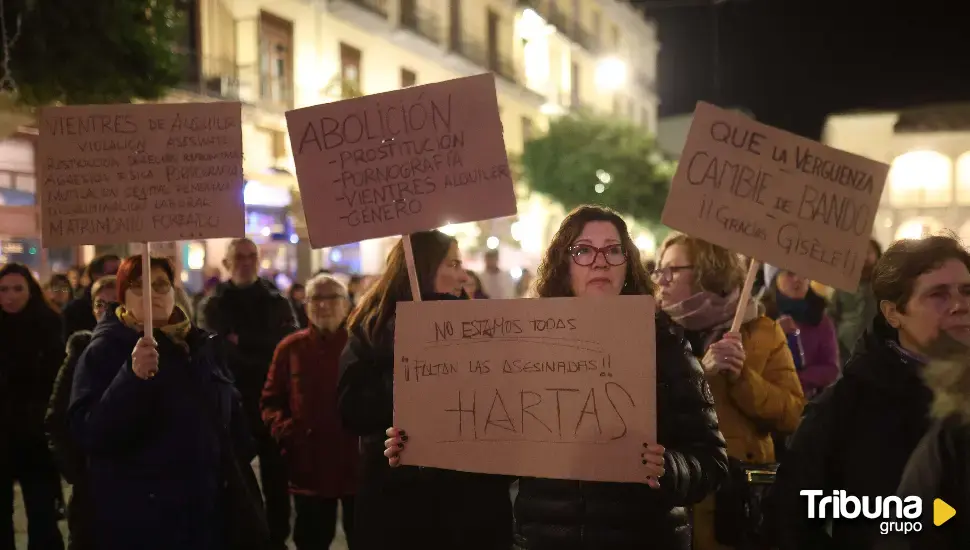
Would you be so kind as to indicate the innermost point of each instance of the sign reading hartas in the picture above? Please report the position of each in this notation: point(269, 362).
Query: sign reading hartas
point(557, 388)
point(775, 196)
point(139, 173)
point(402, 161)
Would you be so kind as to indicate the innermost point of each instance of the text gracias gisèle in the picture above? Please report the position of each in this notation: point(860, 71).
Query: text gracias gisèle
point(554, 402)
point(385, 168)
point(829, 206)
point(102, 186)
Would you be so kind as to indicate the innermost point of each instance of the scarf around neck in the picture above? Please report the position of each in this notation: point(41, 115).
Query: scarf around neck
point(707, 310)
point(177, 330)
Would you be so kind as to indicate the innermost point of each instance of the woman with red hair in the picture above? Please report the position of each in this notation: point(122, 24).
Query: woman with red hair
point(156, 417)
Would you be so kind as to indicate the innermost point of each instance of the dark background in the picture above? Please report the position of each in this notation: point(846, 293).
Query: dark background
point(792, 62)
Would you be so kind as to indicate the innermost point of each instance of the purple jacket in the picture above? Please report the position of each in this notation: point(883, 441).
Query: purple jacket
point(820, 360)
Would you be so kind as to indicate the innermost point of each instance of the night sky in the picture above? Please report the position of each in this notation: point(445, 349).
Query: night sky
point(791, 62)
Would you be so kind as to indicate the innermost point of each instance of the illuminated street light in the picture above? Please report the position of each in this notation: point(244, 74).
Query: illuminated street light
point(611, 74)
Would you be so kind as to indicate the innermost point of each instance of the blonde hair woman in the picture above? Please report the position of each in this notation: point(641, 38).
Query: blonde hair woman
point(751, 373)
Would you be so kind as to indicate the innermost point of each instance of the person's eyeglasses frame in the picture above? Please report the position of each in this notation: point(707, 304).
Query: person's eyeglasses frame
point(166, 287)
point(596, 253)
point(666, 274)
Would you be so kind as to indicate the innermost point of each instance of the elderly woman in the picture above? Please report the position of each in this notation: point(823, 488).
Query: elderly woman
point(299, 406)
point(751, 373)
point(858, 435)
point(156, 416)
point(592, 255)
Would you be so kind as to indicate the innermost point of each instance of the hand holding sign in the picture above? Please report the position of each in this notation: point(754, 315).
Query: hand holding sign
point(726, 355)
point(394, 446)
point(653, 458)
point(144, 358)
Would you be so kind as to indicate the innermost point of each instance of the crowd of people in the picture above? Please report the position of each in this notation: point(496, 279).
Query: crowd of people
point(861, 391)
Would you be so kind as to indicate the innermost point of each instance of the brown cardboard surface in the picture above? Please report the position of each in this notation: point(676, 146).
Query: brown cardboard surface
point(552, 387)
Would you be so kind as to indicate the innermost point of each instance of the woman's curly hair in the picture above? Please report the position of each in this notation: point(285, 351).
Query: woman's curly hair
point(552, 279)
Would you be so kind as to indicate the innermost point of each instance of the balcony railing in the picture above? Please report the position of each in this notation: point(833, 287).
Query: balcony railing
point(496, 62)
point(275, 90)
point(210, 76)
point(378, 7)
point(572, 29)
point(425, 25)
point(266, 89)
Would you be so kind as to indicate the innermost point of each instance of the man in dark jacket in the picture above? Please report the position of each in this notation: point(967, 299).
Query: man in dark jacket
point(858, 435)
point(78, 314)
point(251, 317)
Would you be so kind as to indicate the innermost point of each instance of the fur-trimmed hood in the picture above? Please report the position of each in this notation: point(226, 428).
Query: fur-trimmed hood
point(949, 378)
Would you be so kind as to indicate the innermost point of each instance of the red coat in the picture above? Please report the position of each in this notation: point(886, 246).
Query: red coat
point(299, 405)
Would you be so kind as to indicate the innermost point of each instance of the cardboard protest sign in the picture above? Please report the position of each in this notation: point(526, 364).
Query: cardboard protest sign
point(170, 250)
point(160, 249)
point(148, 172)
point(556, 387)
point(19, 221)
point(402, 161)
point(776, 197)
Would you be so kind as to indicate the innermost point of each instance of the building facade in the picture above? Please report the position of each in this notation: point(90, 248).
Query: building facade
point(928, 149)
point(548, 56)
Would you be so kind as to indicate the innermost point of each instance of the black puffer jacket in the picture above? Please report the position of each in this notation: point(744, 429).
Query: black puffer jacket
point(856, 436)
point(554, 514)
point(412, 507)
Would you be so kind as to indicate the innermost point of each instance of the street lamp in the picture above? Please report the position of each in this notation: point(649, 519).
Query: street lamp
point(611, 74)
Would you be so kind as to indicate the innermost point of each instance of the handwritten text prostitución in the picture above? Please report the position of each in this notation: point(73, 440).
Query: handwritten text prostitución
point(527, 379)
point(783, 199)
point(138, 173)
point(401, 161)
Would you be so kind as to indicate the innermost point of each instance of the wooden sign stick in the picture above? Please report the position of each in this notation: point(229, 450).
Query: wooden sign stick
point(412, 273)
point(745, 294)
point(146, 289)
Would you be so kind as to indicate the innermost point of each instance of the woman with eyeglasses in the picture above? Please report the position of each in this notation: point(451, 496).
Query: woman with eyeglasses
point(31, 350)
point(156, 418)
point(592, 255)
point(750, 372)
point(69, 457)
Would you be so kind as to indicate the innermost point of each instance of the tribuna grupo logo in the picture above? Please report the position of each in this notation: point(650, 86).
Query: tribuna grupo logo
point(899, 515)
